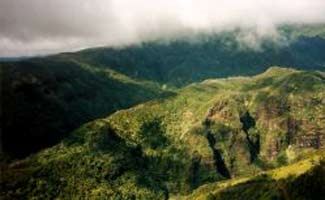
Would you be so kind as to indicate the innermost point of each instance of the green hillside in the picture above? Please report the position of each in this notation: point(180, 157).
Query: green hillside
point(302, 180)
point(46, 98)
point(216, 130)
point(185, 61)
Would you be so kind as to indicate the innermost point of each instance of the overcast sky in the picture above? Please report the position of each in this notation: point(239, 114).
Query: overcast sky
point(29, 27)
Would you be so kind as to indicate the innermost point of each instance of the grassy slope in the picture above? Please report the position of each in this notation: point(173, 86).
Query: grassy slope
point(163, 147)
point(272, 184)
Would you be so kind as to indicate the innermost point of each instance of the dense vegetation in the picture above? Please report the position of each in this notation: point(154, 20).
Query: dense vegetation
point(207, 132)
point(46, 98)
point(181, 62)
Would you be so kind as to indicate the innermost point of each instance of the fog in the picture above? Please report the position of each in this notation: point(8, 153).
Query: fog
point(36, 27)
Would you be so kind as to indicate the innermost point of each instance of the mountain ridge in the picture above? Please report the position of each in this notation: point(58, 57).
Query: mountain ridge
point(88, 84)
point(208, 132)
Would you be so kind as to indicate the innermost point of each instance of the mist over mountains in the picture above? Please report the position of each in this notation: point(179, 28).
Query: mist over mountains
point(182, 99)
point(47, 97)
point(42, 27)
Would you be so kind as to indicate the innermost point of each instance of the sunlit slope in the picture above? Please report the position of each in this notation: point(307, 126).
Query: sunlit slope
point(47, 97)
point(207, 132)
point(302, 180)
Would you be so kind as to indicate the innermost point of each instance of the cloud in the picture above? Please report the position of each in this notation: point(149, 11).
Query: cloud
point(48, 26)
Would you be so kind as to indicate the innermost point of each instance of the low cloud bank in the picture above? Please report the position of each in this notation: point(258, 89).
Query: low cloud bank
point(48, 26)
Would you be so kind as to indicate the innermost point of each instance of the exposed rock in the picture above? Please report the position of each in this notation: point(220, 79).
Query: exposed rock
point(310, 141)
point(274, 148)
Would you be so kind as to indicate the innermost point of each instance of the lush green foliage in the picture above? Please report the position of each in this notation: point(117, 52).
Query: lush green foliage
point(181, 62)
point(207, 132)
point(45, 98)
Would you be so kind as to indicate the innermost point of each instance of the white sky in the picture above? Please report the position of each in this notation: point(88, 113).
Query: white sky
point(29, 27)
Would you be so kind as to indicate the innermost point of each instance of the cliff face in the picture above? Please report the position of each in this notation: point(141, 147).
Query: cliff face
point(269, 126)
point(267, 132)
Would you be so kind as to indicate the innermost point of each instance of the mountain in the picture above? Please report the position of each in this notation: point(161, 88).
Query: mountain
point(46, 98)
point(217, 130)
point(181, 62)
